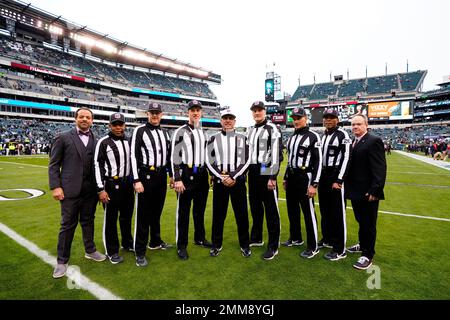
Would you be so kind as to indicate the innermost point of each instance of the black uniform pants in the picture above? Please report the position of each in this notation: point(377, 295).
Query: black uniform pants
point(366, 214)
point(296, 188)
point(83, 209)
point(221, 196)
point(150, 204)
point(197, 189)
point(262, 199)
point(332, 211)
point(121, 194)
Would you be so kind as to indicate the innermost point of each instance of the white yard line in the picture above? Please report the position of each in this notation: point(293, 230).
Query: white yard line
point(437, 163)
point(398, 214)
point(23, 164)
point(417, 172)
point(78, 279)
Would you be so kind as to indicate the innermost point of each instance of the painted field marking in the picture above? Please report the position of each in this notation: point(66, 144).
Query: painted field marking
point(76, 277)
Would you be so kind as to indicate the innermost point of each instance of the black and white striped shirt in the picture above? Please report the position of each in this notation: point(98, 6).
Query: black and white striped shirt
point(265, 147)
point(111, 159)
point(305, 152)
point(150, 148)
point(336, 146)
point(188, 148)
point(228, 154)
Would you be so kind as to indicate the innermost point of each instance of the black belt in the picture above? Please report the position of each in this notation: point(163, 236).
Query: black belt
point(154, 169)
point(299, 170)
point(117, 179)
point(193, 169)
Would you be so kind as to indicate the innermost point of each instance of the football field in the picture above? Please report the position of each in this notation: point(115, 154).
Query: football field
point(411, 260)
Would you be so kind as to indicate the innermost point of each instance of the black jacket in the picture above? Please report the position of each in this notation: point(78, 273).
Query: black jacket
point(367, 169)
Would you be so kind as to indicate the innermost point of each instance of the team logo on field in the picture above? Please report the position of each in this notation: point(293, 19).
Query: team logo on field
point(32, 193)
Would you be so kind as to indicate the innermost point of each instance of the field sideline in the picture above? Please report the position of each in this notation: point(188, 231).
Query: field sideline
point(411, 252)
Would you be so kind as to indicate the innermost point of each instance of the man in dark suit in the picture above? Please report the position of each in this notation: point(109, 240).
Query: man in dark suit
point(72, 181)
point(364, 187)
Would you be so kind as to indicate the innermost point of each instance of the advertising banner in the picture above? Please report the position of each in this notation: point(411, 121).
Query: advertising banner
point(279, 118)
point(391, 110)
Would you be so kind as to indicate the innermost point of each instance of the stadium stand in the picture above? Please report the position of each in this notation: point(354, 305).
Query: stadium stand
point(402, 83)
point(323, 90)
point(38, 79)
point(352, 87)
point(61, 61)
point(34, 136)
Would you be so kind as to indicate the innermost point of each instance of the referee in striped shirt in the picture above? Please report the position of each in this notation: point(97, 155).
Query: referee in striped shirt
point(150, 155)
point(228, 160)
point(266, 155)
point(301, 181)
point(336, 145)
point(115, 187)
point(190, 179)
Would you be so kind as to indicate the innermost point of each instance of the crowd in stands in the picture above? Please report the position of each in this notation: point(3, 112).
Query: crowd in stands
point(427, 139)
point(36, 85)
point(64, 62)
point(35, 136)
point(32, 136)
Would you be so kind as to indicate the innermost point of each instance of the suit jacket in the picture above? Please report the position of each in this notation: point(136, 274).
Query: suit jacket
point(367, 169)
point(66, 169)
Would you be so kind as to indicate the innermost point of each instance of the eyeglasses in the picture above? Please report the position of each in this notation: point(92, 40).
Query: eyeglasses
point(228, 118)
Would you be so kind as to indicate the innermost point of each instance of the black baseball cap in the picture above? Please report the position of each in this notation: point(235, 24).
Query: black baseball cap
point(154, 106)
point(194, 103)
point(330, 112)
point(299, 112)
point(117, 117)
point(258, 104)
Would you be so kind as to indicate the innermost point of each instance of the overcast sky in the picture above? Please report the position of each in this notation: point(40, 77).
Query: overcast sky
point(241, 40)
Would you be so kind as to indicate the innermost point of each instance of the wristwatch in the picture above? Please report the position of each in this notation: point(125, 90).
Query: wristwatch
point(315, 185)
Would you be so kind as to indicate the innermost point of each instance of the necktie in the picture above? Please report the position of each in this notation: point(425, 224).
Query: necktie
point(355, 142)
point(81, 133)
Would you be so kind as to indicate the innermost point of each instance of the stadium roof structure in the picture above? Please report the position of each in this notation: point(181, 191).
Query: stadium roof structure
point(398, 83)
point(37, 22)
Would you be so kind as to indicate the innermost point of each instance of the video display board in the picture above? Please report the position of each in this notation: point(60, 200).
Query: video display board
point(269, 91)
point(391, 110)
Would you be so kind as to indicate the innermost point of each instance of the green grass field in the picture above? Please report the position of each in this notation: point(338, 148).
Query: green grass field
point(411, 252)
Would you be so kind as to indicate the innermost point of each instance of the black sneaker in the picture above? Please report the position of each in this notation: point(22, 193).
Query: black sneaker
point(203, 243)
point(115, 258)
point(308, 253)
point(290, 243)
point(334, 256)
point(162, 246)
point(256, 243)
point(322, 244)
point(246, 252)
point(141, 261)
point(363, 263)
point(354, 248)
point(270, 254)
point(214, 252)
point(182, 254)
